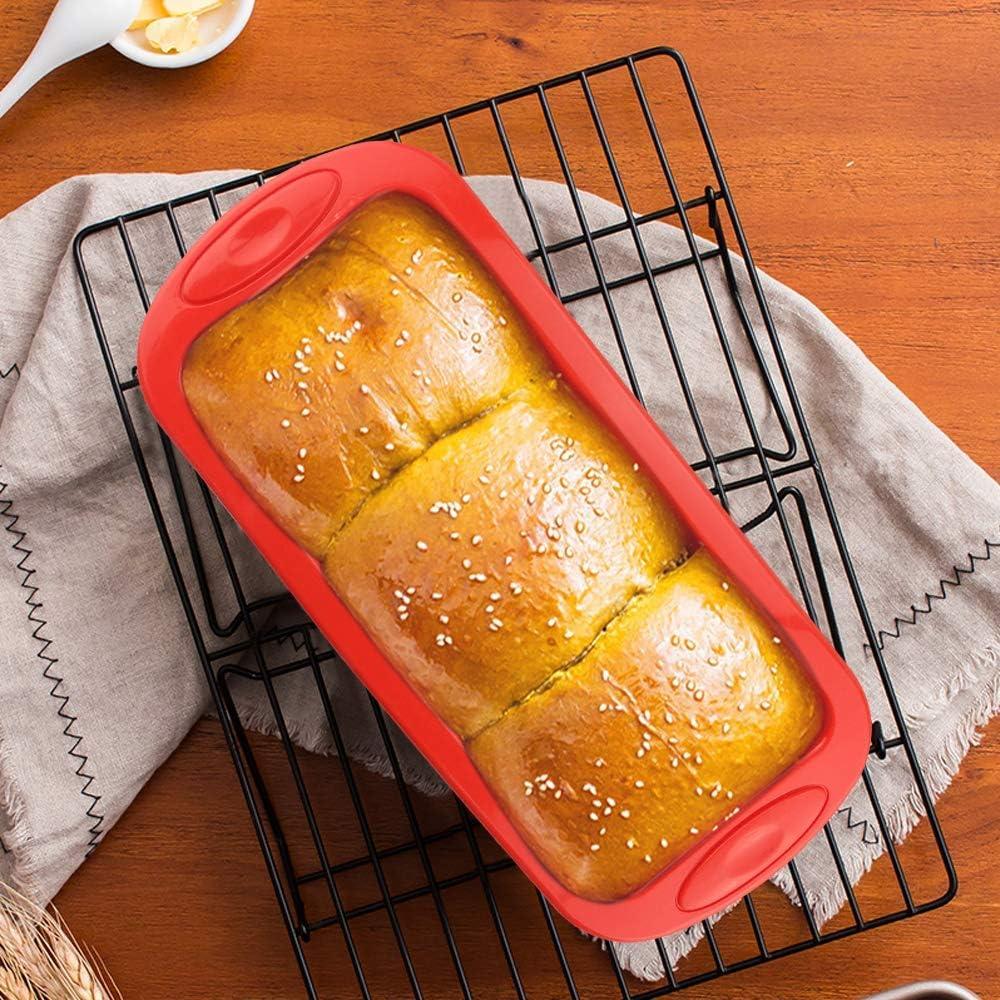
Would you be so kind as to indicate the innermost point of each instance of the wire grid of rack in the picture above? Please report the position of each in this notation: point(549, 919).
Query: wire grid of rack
point(246, 644)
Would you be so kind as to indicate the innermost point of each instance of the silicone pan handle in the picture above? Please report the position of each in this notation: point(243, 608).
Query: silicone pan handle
point(248, 246)
point(751, 848)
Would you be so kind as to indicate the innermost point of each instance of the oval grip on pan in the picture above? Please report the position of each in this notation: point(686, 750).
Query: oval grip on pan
point(258, 242)
point(752, 847)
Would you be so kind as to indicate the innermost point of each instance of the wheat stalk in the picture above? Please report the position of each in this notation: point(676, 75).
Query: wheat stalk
point(41, 959)
point(14, 986)
point(20, 947)
point(75, 971)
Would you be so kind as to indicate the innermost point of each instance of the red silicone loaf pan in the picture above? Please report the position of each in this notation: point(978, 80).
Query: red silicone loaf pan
point(262, 240)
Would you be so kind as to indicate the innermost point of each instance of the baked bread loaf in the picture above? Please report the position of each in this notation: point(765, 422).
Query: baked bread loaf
point(390, 410)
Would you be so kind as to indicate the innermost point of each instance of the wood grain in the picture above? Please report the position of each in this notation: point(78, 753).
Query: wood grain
point(861, 142)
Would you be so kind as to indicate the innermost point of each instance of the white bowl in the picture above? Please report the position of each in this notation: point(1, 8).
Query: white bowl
point(219, 29)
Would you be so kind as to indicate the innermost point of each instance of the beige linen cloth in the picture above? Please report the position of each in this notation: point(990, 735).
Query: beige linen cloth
point(98, 678)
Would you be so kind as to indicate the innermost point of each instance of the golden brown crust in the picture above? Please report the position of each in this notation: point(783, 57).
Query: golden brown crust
point(391, 412)
point(682, 711)
point(351, 366)
point(499, 555)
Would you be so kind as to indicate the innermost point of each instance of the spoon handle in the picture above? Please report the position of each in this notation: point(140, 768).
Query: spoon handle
point(74, 28)
point(23, 80)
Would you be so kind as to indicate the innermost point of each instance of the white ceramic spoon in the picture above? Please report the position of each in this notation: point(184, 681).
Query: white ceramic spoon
point(74, 28)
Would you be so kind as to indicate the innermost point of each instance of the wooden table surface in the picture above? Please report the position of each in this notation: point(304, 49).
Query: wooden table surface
point(861, 141)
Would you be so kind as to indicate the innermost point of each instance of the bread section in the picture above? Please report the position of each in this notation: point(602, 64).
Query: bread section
point(318, 390)
point(387, 407)
point(498, 556)
point(682, 711)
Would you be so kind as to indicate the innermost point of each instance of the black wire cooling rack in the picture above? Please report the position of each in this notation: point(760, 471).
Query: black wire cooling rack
point(385, 905)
